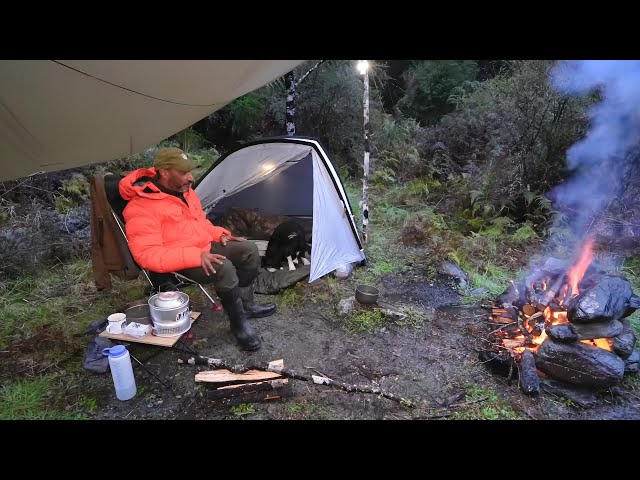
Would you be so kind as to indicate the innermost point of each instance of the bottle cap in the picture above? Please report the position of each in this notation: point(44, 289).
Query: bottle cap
point(117, 351)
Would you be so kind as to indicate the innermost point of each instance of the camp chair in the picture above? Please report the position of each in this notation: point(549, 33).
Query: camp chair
point(110, 252)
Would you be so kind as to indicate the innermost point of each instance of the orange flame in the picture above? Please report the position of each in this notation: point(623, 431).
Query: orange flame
point(555, 317)
point(603, 343)
point(577, 271)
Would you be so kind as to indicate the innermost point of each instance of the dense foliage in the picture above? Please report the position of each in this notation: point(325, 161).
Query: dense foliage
point(481, 142)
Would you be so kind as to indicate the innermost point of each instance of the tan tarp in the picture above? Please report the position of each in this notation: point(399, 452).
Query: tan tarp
point(59, 114)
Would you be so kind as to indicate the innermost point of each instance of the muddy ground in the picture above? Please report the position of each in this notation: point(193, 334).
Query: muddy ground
point(434, 364)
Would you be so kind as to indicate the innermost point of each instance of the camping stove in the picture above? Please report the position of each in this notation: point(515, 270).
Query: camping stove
point(170, 314)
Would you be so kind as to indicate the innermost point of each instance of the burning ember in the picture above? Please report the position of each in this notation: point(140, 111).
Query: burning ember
point(567, 322)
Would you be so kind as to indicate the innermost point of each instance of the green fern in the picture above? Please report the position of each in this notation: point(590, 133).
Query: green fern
point(502, 221)
point(383, 176)
point(524, 233)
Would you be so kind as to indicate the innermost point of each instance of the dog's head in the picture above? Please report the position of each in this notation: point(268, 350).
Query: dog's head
point(272, 257)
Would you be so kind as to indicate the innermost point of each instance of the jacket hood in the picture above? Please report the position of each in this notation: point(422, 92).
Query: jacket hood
point(128, 190)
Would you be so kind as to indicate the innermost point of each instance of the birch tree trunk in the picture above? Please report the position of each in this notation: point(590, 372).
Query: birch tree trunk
point(365, 175)
point(290, 85)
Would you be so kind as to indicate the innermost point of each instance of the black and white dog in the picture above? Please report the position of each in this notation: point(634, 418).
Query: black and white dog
point(286, 243)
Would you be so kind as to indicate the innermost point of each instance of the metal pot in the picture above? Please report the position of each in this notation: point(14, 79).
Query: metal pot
point(366, 294)
point(171, 320)
point(169, 299)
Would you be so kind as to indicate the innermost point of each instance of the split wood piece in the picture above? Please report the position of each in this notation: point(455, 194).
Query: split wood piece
point(501, 315)
point(224, 376)
point(512, 343)
point(504, 320)
point(504, 326)
point(254, 396)
point(279, 368)
point(271, 389)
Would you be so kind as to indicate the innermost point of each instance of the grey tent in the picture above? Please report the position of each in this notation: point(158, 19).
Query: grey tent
point(294, 177)
point(59, 114)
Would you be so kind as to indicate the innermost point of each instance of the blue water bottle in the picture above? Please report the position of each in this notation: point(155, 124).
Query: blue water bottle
point(121, 371)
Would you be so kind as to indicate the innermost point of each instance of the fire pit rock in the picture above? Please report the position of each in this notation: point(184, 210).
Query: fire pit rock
point(580, 364)
point(611, 298)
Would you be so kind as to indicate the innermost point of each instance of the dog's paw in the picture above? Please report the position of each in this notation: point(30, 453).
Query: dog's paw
point(295, 260)
point(305, 261)
point(291, 268)
point(270, 269)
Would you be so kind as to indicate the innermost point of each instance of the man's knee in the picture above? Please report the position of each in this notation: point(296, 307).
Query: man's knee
point(249, 255)
point(226, 277)
point(251, 249)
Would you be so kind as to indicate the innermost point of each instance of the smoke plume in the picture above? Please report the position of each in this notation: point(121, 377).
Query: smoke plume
point(600, 161)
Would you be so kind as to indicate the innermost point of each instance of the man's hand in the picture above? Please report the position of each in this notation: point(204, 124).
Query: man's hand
point(225, 238)
point(208, 259)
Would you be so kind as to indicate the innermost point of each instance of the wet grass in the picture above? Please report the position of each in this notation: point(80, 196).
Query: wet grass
point(40, 356)
point(483, 403)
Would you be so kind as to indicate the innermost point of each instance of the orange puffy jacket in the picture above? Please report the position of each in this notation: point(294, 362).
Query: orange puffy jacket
point(165, 234)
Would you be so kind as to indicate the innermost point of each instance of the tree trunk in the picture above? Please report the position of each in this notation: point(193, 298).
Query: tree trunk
point(292, 93)
point(290, 85)
point(365, 175)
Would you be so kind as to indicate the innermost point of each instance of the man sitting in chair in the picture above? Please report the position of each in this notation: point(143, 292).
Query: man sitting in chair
point(168, 231)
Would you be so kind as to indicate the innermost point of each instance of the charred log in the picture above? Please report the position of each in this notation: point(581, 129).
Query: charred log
point(513, 312)
point(528, 339)
point(609, 299)
point(512, 330)
point(533, 320)
point(277, 387)
point(562, 333)
point(549, 295)
point(580, 364)
point(539, 327)
point(529, 380)
point(513, 295)
point(589, 331)
point(497, 363)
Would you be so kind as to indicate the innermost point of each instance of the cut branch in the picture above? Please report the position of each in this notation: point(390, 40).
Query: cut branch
point(278, 368)
point(362, 389)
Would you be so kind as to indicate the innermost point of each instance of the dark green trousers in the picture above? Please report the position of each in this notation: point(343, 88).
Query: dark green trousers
point(239, 268)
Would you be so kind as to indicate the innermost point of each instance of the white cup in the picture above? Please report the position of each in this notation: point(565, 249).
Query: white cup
point(116, 322)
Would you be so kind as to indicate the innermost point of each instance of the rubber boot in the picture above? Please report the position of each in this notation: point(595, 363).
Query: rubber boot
point(245, 334)
point(253, 309)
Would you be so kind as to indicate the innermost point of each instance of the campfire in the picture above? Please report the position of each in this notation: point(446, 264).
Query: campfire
point(566, 322)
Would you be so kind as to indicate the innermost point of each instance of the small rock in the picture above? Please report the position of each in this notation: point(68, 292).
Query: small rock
point(346, 306)
point(478, 292)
